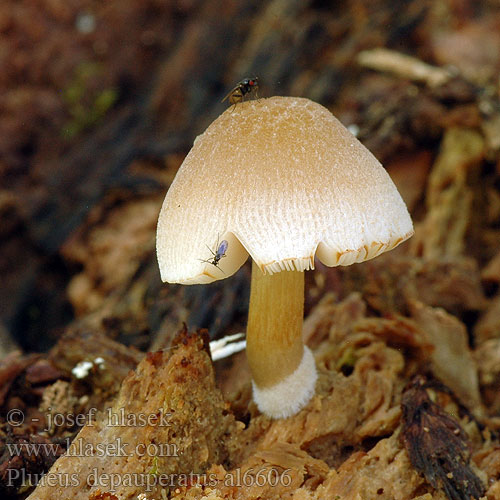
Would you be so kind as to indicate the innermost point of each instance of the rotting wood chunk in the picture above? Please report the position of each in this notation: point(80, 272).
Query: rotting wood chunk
point(169, 420)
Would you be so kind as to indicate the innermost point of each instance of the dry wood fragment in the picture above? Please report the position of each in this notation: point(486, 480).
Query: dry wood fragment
point(403, 66)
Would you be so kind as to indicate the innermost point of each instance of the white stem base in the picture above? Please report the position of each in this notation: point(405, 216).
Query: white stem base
point(290, 395)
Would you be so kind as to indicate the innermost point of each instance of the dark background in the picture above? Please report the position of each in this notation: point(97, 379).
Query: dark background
point(100, 102)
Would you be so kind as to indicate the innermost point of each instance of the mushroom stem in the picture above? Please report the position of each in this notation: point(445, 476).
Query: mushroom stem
point(282, 368)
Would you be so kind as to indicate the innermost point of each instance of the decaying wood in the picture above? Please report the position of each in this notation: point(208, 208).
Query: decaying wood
point(186, 429)
point(90, 141)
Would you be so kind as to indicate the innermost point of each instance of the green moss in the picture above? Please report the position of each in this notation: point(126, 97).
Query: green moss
point(86, 106)
point(348, 359)
point(154, 468)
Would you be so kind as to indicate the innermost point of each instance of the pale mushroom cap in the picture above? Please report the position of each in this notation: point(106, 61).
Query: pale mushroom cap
point(280, 179)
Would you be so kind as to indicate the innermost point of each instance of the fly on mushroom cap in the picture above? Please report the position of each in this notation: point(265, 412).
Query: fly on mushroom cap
point(283, 180)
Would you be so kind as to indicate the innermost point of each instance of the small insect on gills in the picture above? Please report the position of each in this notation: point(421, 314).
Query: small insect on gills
point(218, 254)
point(242, 89)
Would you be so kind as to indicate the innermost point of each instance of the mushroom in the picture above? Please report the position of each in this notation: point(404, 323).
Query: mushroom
point(283, 180)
